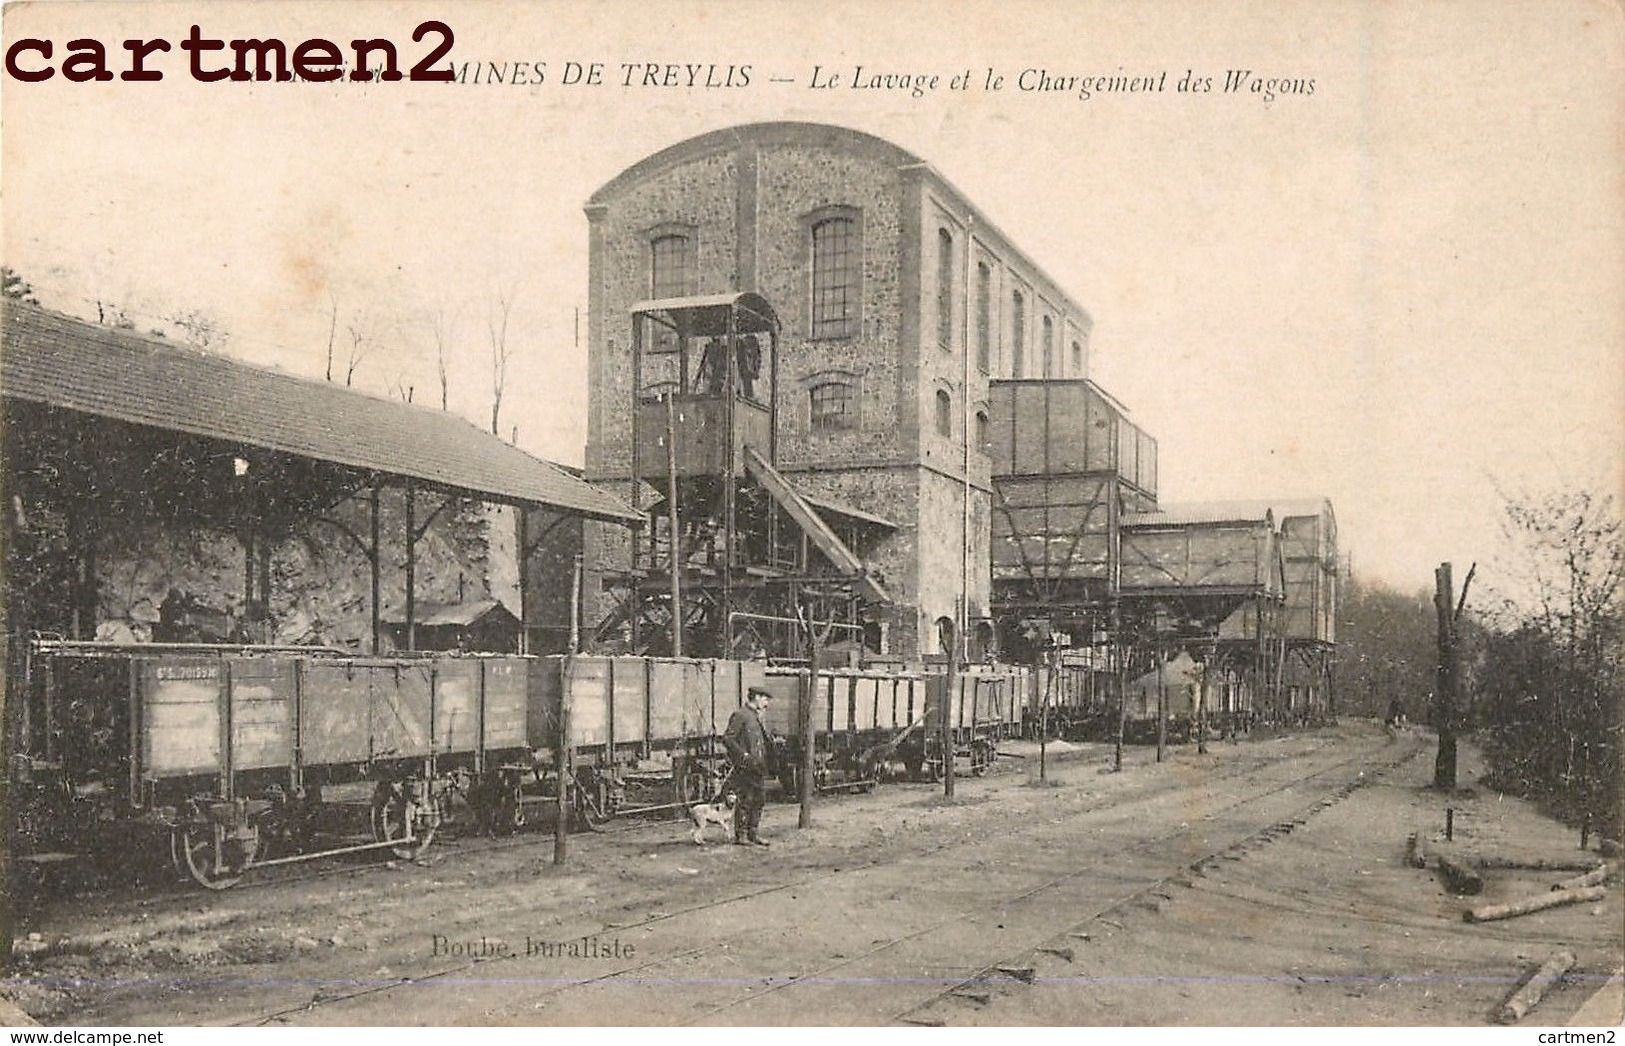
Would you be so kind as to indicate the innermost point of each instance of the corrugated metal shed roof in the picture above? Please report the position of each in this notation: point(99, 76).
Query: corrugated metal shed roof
point(62, 362)
point(1200, 513)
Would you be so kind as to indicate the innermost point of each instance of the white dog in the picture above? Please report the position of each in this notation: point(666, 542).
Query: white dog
point(720, 812)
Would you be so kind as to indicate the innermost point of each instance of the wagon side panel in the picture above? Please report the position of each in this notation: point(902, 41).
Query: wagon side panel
point(262, 697)
point(456, 684)
point(333, 713)
point(180, 699)
point(401, 707)
point(503, 711)
point(669, 700)
point(629, 693)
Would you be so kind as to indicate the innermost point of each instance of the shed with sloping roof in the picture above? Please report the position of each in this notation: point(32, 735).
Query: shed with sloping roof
point(107, 427)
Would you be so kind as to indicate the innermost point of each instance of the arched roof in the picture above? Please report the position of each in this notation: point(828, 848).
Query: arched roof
point(783, 132)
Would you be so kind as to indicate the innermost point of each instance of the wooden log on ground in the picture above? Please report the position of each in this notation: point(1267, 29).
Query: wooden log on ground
point(1539, 864)
point(1594, 877)
point(1460, 876)
point(1416, 851)
point(1490, 912)
point(1529, 994)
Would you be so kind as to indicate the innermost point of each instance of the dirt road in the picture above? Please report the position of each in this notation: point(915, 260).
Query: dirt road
point(1259, 884)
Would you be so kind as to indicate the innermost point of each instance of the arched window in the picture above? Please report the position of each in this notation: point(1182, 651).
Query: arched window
point(1049, 347)
point(833, 406)
point(1077, 360)
point(945, 289)
point(981, 432)
point(836, 254)
point(1018, 334)
point(671, 266)
point(984, 315)
point(671, 275)
point(945, 413)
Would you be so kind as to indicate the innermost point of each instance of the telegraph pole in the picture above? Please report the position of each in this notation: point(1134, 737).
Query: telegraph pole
point(1447, 681)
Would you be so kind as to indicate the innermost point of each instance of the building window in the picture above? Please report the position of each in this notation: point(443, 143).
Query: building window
point(1077, 360)
point(1049, 347)
point(1018, 334)
point(833, 406)
point(671, 266)
point(945, 414)
point(836, 253)
point(945, 288)
point(981, 432)
point(984, 315)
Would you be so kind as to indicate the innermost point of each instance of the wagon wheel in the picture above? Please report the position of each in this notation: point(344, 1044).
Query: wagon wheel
point(396, 816)
point(213, 862)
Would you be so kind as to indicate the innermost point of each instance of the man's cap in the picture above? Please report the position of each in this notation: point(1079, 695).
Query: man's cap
point(757, 691)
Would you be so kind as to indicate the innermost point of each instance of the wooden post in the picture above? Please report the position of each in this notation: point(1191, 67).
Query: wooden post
point(804, 783)
point(674, 540)
point(1120, 671)
point(575, 608)
point(1043, 723)
point(377, 620)
point(1201, 709)
point(1444, 688)
point(561, 763)
point(1162, 707)
point(412, 567)
point(952, 680)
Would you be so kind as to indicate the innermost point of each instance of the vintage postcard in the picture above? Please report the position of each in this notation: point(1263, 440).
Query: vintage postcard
point(740, 513)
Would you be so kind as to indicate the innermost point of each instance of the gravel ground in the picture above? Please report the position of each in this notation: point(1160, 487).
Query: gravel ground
point(1260, 884)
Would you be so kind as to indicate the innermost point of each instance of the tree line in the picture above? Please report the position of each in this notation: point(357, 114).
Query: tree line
point(1540, 647)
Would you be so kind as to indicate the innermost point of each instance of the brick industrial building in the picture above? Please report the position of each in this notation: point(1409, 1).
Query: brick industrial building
point(917, 407)
point(899, 302)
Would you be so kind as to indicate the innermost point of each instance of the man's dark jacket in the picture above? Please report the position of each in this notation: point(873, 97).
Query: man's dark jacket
point(747, 742)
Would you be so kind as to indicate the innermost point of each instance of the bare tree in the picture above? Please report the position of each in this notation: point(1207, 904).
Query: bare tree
point(332, 330)
point(1556, 674)
point(497, 326)
point(441, 327)
point(200, 329)
point(361, 346)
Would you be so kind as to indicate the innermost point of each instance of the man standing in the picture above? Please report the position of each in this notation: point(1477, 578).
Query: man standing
point(751, 752)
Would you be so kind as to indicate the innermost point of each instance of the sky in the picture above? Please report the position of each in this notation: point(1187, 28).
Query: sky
point(1397, 282)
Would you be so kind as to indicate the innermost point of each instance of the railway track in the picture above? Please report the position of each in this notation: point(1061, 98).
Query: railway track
point(928, 967)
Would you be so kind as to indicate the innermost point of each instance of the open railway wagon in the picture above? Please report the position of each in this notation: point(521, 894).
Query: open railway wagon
point(644, 731)
point(243, 757)
point(860, 721)
point(235, 758)
point(988, 704)
point(1071, 702)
